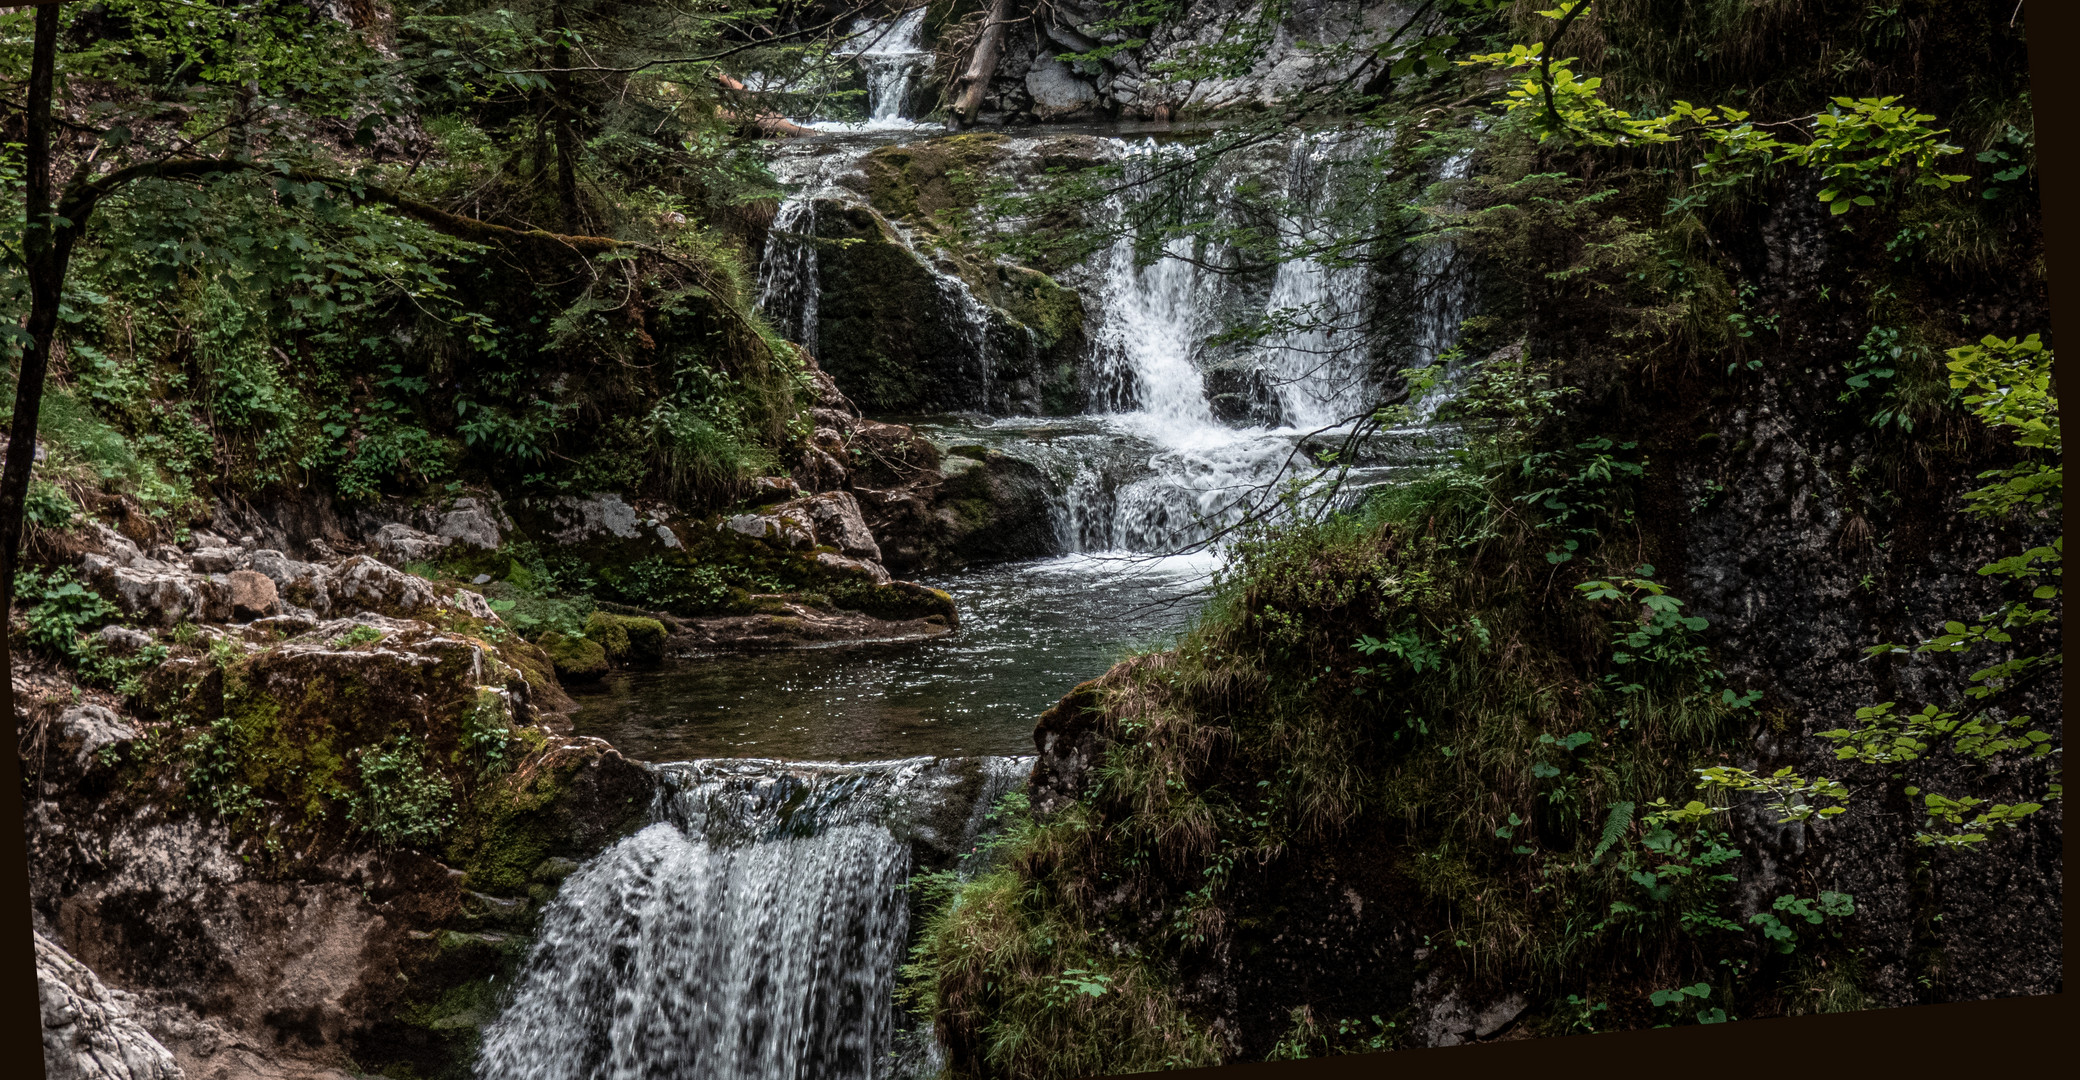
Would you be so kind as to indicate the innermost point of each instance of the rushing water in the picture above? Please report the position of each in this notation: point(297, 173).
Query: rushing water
point(752, 931)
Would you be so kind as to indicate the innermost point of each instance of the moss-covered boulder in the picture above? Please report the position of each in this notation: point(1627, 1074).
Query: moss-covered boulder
point(628, 639)
point(578, 659)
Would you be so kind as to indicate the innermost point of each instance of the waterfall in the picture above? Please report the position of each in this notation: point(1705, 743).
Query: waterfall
point(788, 288)
point(892, 59)
point(751, 932)
point(1183, 439)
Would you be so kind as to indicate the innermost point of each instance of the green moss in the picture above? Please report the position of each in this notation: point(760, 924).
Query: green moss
point(576, 658)
point(627, 639)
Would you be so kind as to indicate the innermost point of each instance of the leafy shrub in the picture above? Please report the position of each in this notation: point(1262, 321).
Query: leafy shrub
point(61, 611)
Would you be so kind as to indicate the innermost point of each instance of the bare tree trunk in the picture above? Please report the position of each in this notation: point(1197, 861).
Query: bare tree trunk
point(45, 253)
point(988, 47)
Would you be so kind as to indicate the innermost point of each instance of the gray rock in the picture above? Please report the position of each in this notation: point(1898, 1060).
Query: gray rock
point(398, 544)
point(88, 1033)
point(471, 521)
point(472, 604)
point(599, 515)
point(363, 584)
point(834, 518)
point(774, 529)
point(1057, 90)
point(122, 640)
point(866, 568)
point(216, 560)
point(83, 730)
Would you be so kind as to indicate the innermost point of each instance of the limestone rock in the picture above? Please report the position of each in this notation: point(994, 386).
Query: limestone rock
point(83, 730)
point(470, 520)
point(1057, 91)
point(599, 515)
point(216, 560)
point(252, 595)
point(88, 1033)
point(865, 568)
point(398, 544)
point(363, 584)
point(154, 592)
point(300, 583)
point(122, 640)
point(835, 519)
point(780, 531)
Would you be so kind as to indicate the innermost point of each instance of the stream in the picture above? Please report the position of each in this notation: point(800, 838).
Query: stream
point(752, 931)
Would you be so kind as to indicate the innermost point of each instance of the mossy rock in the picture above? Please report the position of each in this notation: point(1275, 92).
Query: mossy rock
point(578, 659)
point(628, 639)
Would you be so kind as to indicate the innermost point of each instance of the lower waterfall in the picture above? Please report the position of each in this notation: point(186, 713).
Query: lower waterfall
point(752, 931)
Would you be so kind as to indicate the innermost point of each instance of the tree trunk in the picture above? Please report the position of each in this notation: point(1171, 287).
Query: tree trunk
point(561, 107)
point(988, 47)
point(45, 253)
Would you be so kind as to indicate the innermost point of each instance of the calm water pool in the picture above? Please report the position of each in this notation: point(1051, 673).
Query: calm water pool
point(1029, 632)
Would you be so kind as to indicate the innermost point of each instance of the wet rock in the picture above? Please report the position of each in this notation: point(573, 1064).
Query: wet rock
point(252, 595)
point(88, 1031)
point(627, 639)
point(1057, 91)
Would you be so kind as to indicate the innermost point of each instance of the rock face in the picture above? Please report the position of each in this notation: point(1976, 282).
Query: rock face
point(88, 1030)
point(254, 584)
point(233, 877)
point(1031, 84)
point(882, 485)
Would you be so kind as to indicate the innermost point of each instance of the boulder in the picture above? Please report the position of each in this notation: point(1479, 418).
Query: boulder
point(861, 568)
point(150, 591)
point(578, 659)
point(363, 584)
point(88, 1031)
point(216, 560)
point(469, 520)
point(399, 544)
point(303, 584)
point(784, 532)
point(252, 595)
point(835, 519)
point(81, 731)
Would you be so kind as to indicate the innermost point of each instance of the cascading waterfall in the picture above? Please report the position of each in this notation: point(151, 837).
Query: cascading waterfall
point(788, 288)
point(1167, 467)
point(892, 59)
point(752, 932)
point(1203, 474)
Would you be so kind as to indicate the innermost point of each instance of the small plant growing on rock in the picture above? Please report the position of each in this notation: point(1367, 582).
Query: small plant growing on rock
point(402, 800)
point(360, 635)
point(61, 611)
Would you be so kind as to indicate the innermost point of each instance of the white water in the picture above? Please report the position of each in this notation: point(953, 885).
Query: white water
point(752, 932)
point(892, 60)
point(1203, 475)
